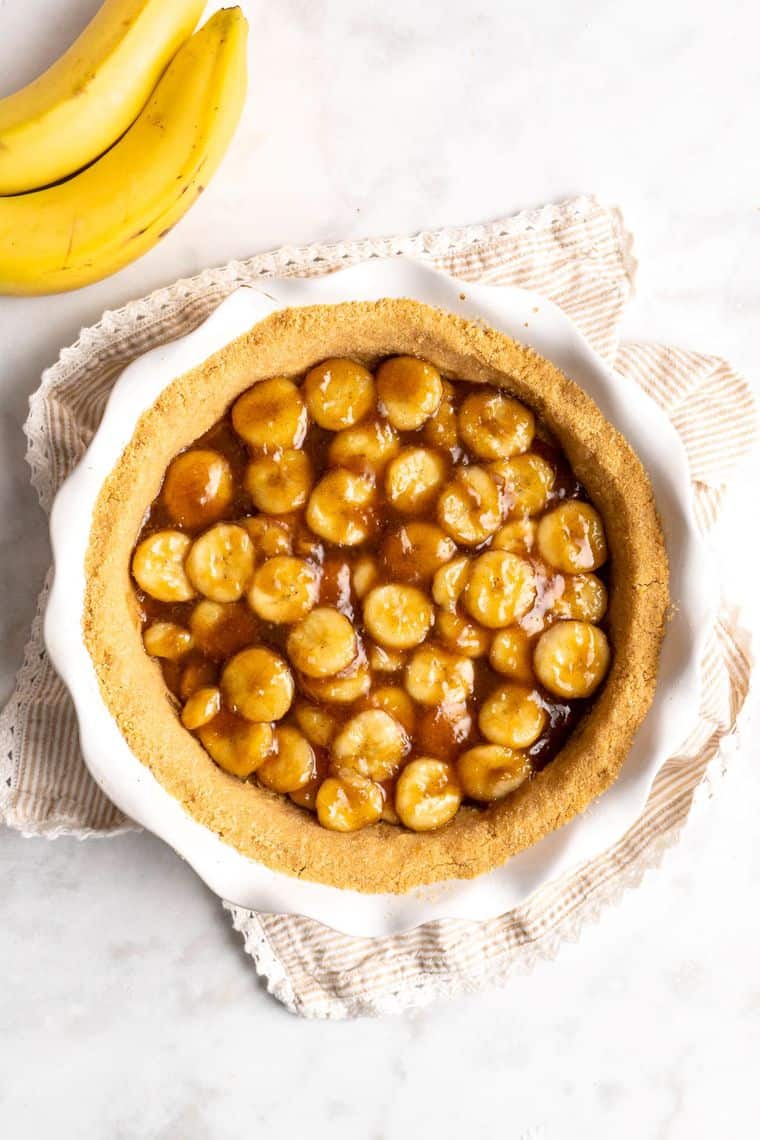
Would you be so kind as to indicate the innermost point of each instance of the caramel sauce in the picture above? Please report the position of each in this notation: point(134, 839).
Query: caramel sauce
point(434, 736)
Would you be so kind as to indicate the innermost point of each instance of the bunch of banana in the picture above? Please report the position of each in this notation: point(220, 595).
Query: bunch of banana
point(127, 142)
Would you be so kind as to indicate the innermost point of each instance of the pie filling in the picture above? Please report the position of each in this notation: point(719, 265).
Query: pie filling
point(379, 594)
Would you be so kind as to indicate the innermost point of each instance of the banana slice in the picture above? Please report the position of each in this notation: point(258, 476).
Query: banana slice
point(280, 482)
point(494, 426)
point(237, 746)
point(443, 730)
point(323, 643)
point(414, 478)
point(583, 598)
point(409, 390)
point(442, 429)
point(462, 636)
point(518, 537)
point(271, 415)
point(397, 616)
point(284, 589)
point(342, 690)
point(292, 764)
point(372, 743)
point(201, 707)
point(168, 640)
point(436, 676)
point(198, 487)
point(339, 392)
point(368, 446)
point(571, 658)
point(220, 562)
point(450, 581)
point(571, 538)
point(317, 724)
point(306, 797)
point(414, 551)
point(491, 771)
point(512, 715)
point(364, 575)
point(348, 802)
point(220, 629)
point(500, 589)
point(257, 684)
point(427, 794)
point(512, 654)
point(394, 701)
point(340, 508)
point(527, 481)
point(198, 673)
point(382, 660)
point(158, 566)
point(469, 507)
point(270, 536)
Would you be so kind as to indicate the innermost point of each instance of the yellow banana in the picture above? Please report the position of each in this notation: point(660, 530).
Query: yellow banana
point(87, 99)
point(83, 229)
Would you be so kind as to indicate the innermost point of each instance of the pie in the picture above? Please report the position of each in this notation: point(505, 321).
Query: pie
point(377, 594)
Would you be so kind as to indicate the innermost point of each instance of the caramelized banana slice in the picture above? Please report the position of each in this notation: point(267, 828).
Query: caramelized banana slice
point(339, 392)
point(340, 508)
point(364, 575)
point(158, 566)
point(201, 707)
point(394, 701)
point(280, 482)
point(414, 478)
point(317, 724)
point(441, 430)
point(462, 636)
point(409, 390)
point(571, 658)
point(323, 643)
point(583, 598)
point(397, 616)
point(443, 730)
point(427, 794)
point(292, 764)
point(306, 797)
point(257, 684)
point(382, 660)
point(500, 589)
point(512, 715)
point(168, 640)
point(372, 743)
point(512, 654)
point(348, 802)
point(284, 589)
point(271, 415)
point(450, 581)
point(491, 771)
point(571, 538)
point(237, 746)
point(342, 690)
point(494, 426)
point(270, 536)
point(198, 487)
point(220, 629)
point(469, 507)
point(518, 537)
point(527, 481)
point(414, 551)
point(368, 446)
point(220, 562)
point(435, 676)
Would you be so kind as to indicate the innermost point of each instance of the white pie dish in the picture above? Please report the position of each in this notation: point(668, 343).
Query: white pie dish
point(129, 783)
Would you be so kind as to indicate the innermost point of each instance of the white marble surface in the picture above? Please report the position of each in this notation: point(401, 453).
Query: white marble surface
point(126, 1006)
